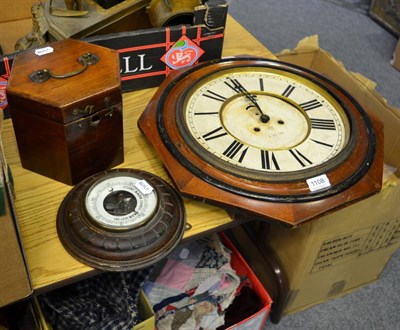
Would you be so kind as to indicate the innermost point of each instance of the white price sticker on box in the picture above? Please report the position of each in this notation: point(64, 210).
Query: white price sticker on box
point(44, 51)
point(318, 182)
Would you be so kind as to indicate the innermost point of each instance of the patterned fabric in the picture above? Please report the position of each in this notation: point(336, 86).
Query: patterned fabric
point(193, 287)
point(106, 301)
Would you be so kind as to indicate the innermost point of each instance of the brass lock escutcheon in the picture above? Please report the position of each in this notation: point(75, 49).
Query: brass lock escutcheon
point(45, 74)
point(89, 109)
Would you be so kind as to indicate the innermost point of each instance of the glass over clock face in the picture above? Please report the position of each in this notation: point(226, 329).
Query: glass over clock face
point(121, 202)
point(264, 137)
point(263, 129)
point(263, 123)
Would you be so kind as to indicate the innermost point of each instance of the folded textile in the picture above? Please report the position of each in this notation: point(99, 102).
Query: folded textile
point(105, 301)
point(193, 286)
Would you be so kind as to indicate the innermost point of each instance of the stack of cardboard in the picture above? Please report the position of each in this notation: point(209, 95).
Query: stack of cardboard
point(14, 276)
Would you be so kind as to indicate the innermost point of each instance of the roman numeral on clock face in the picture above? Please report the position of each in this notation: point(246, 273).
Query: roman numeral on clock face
point(322, 143)
point(311, 105)
point(268, 160)
point(206, 113)
point(327, 124)
point(234, 149)
point(261, 80)
point(215, 134)
point(288, 91)
point(214, 96)
point(301, 159)
point(235, 85)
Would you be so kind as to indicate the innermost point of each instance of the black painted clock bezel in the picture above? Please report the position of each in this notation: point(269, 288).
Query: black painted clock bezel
point(301, 176)
point(281, 176)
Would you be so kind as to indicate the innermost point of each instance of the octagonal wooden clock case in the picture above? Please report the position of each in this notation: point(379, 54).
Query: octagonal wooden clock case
point(264, 137)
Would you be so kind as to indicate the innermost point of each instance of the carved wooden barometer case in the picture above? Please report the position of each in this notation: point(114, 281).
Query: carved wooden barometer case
point(264, 137)
point(121, 219)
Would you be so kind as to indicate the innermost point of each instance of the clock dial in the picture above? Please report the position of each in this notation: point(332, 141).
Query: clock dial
point(265, 137)
point(273, 122)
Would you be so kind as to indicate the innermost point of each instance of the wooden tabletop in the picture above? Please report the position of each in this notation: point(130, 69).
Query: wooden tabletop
point(38, 198)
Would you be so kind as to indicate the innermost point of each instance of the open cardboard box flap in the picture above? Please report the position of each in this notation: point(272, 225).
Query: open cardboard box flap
point(310, 45)
point(308, 54)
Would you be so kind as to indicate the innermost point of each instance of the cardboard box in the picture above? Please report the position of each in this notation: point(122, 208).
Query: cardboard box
point(346, 249)
point(14, 275)
point(146, 313)
point(396, 57)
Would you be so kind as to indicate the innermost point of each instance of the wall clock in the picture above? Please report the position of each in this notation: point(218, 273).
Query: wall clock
point(121, 219)
point(264, 137)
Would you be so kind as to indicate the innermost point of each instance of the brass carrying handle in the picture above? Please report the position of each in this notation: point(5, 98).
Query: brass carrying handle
point(45, 74)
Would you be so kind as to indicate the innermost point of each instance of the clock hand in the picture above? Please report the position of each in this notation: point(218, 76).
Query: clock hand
point(264, 118)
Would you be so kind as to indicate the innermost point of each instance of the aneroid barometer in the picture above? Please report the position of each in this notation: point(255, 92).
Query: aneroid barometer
point(264, 137)
point(122, 219)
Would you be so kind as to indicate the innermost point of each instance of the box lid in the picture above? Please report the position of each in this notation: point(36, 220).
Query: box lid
point(65, 80)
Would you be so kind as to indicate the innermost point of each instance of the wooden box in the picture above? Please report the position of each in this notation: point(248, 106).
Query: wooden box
point(67, 128)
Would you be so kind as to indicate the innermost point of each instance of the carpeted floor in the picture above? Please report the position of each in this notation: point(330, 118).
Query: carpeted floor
point(346, 30)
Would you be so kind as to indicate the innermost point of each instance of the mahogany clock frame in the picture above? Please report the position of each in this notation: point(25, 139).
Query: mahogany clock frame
point(354, 173)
